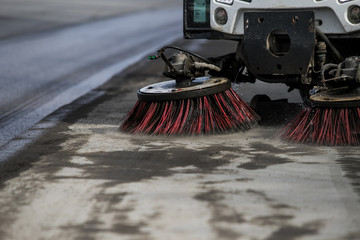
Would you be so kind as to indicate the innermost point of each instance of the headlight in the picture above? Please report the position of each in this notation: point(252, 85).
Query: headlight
point(354, 14)
point(221, 16)
point(228, 2)
point(344, 1)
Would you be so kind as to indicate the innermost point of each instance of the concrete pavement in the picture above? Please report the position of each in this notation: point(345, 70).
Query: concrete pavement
point(85, 180)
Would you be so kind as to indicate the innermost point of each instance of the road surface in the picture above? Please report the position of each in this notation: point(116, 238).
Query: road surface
point(73, 175)
point(83, 179)
point(44, 70)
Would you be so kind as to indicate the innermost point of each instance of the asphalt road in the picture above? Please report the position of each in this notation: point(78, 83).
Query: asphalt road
point(26, 17)
point(83, 179)
point(52, 52)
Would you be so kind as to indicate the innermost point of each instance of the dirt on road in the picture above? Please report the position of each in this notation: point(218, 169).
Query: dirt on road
point(83, 179)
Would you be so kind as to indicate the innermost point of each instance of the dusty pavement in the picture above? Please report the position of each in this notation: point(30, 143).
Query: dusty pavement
point(85, 180)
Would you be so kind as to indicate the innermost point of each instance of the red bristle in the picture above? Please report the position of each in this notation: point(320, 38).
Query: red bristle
point(325, 126)
point(298, 126)
point(134, 114)
point(149, 122)
point(177, 123)
point(230, 119)
point(199, 114)
point(190, 118)
point(184, 118)
point(163, 118)
point(191, 122)
point(221, 112)
point(207, 116)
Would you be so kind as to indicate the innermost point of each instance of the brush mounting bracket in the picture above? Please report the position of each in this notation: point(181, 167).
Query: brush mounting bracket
point(347, 72)
point(184, 66)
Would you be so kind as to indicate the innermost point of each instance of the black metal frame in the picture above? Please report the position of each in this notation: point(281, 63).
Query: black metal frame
point(300, 27)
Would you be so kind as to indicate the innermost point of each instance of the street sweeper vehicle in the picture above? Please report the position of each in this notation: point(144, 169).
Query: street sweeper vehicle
point(310, 45)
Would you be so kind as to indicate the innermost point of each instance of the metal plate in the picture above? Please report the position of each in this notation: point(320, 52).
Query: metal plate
point(339, 97)
point(165, 91)
point(300, 28)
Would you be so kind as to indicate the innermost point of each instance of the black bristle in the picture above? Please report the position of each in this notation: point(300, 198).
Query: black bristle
point(218, 113)
point(325, 126)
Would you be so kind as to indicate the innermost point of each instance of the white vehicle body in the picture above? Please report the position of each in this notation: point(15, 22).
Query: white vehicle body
point(331, 16)
point(288, 41)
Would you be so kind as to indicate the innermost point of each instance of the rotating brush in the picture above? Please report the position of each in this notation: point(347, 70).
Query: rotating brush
point(207, 112)
point(332, 119)
point(188, 105)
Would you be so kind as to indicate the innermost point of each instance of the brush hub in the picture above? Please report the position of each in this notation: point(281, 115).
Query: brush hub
point(169, 90)
point(338, 97)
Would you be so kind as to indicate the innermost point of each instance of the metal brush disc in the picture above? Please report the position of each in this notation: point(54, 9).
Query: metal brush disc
point(339, 97)
point(167, 91)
